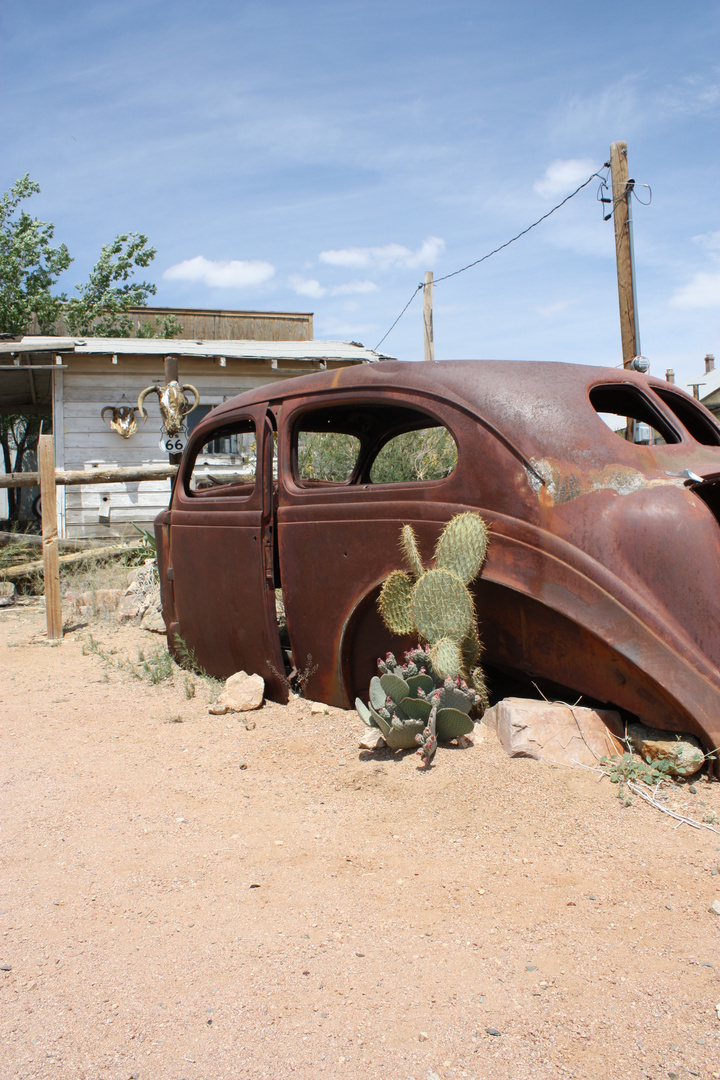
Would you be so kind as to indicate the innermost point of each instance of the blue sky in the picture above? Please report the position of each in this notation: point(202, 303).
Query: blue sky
point(320, 156)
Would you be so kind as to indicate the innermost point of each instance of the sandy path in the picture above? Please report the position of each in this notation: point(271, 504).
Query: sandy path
point(168, 914)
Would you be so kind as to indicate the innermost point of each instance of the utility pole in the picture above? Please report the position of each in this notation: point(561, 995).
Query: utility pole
point(171, 375)
point(428, 316)
point(622, 189)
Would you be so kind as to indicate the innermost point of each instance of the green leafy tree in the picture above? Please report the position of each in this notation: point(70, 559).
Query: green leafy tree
point(18, 440)
point(102, 307)
point(29, 264)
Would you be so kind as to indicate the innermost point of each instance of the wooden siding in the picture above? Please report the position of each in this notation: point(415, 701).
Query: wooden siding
point(217, 325)
point(86, 440)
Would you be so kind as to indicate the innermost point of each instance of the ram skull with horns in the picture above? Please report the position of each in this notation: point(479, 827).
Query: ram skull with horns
point(123, 419)
point(174, 405)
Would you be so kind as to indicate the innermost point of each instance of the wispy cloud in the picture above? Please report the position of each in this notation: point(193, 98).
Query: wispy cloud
point(562, 176)
point(549, 311)
point(220, 273)
point(703, 288)
point(702, 291)
point(694, 96)
point(390, 255)
point(312, 287)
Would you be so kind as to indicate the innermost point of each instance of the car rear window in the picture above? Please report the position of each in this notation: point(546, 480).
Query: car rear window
point(631, 415)
point(694, 417)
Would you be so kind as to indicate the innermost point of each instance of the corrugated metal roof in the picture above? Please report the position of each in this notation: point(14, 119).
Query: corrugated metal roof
point(345, 351)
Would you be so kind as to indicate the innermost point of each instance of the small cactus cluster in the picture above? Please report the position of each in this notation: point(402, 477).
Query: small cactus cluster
point(436, 603)
point(414, 705)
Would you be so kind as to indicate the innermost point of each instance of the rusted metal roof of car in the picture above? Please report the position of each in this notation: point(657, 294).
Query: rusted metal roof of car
point(541, 408)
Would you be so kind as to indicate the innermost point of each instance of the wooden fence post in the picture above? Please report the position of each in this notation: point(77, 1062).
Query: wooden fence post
point(46, 473)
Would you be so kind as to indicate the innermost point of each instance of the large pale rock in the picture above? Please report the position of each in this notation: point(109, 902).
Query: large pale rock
point(242, 693)
point(7, 593)
point(683, 752)
point(153, 619)
point(549, 731)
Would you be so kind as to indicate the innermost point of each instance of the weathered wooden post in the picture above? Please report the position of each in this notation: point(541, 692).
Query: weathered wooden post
point(428, 316)
point(51, 567)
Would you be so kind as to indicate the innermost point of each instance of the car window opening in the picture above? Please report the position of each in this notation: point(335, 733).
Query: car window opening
point(372, 444)
point(226, 462)
point(696, 419)
point(631, 415)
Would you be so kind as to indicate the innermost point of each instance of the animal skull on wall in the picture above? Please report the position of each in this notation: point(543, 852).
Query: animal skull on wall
point(174, 406)
point(123, 419)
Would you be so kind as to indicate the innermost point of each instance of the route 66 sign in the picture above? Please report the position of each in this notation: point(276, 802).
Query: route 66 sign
point(173, 444)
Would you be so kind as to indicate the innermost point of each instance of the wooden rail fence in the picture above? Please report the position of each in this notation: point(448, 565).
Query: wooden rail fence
point(48, 478)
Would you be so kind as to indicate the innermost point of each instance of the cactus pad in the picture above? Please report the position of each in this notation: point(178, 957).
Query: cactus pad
point(420, 682)
point(394, 687)
point(408, 543)
point(416, 708)
point(462, 546)
point(394, 602)
point(403, 738)
point(452, 697)
point(446, 658)
point(378, 697)
point(364, 713)
point(478, 682)
point(441, 607)
point(451, 723)
point(471, 649)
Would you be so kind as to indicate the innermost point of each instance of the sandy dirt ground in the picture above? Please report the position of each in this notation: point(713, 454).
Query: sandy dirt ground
point(184, 898)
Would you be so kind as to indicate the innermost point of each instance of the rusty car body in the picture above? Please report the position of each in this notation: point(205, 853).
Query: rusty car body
point(602, 575)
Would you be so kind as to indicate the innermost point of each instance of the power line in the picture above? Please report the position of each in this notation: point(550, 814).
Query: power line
point(494, 251)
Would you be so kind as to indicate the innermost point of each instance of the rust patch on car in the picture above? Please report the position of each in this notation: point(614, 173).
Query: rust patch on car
point(560, 485)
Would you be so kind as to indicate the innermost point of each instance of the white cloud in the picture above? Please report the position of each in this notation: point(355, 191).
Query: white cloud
point(352, 287)
point(702, 291)
point(387, 256)
point(709, 240)
point(549, 311)
point(562, 176)
point(220, 273)
point(312, 287)
point(307, 286)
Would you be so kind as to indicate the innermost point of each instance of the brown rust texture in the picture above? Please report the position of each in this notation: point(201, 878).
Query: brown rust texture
point(602, 576)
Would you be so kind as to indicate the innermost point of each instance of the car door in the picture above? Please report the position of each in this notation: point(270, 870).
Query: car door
point(220, 550)
point(339, 524)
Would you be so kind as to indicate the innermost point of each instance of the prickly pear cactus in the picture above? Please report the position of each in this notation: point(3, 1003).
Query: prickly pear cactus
point(413, 705)
point(436, 603)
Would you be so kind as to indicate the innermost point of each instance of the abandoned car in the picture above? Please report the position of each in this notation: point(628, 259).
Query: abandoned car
point(602, 576)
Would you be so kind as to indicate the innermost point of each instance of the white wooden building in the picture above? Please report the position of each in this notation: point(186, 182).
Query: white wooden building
point(79, 378)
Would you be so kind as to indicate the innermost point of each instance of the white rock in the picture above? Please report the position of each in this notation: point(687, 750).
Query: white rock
point(371, 740)
point(318, 707)
point(548, 731)
point(715, 907)
point(242, 693)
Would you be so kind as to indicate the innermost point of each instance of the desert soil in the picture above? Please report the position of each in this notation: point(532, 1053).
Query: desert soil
point(185, 898)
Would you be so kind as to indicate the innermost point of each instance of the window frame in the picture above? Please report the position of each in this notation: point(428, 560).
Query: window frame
point(370, 447)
